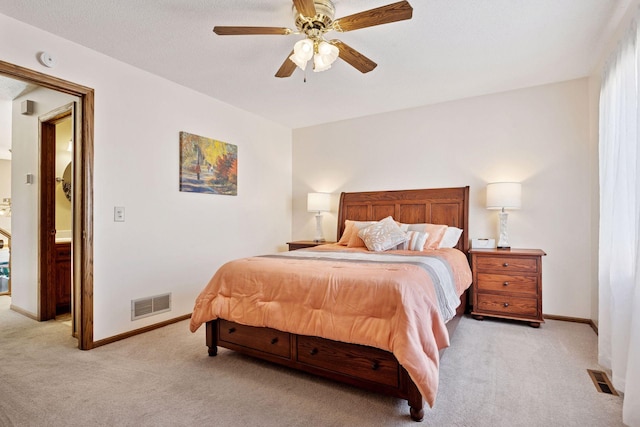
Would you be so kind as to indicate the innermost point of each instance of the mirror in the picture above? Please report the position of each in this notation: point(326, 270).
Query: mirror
point(66, 182)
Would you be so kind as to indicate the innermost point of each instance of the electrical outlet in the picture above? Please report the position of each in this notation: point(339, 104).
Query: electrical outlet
point(118, 214)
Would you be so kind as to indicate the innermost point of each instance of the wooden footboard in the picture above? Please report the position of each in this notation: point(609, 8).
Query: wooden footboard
point(361, 366)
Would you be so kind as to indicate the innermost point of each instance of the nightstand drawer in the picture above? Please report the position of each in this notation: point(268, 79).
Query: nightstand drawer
point(508, 305)
point(507, 264)
point(508, 283)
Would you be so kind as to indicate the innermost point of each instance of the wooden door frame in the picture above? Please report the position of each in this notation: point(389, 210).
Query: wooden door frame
point(82, 238)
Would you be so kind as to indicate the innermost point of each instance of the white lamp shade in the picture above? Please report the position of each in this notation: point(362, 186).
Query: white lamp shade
point(320, 63)
point(318, 202)
point(505, 195)
point(303, 49)
point(302, 52)
point(299, 62)
point(327, 54)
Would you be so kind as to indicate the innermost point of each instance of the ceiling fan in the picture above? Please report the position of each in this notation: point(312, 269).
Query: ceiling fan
point(315, 18)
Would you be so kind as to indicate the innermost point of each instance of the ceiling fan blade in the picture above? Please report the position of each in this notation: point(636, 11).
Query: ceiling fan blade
point(382, 15)
point(239, 31)
point(354, 58)
point(305, 7)
point(287, 68)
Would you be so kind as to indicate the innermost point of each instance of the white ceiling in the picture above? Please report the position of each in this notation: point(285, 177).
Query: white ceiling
point(11, 88)
point(451, 49)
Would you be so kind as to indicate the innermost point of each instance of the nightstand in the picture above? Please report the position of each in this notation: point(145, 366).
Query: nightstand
point(301, 244)
point(507, 284)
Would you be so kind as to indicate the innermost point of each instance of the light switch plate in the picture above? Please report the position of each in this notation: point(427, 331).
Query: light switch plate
point(118, 214)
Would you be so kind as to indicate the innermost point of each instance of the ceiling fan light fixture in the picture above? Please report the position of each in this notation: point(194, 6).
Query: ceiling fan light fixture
point(302, 63)
point(319, 64)
point(326, 55)
point(303, 49)
point(327, 49)
point(302, 53)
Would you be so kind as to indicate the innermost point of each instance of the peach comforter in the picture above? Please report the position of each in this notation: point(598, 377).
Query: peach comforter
point(386, 300)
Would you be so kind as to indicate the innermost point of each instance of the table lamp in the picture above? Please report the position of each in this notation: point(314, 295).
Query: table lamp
point(318, 202)
point(503, 195)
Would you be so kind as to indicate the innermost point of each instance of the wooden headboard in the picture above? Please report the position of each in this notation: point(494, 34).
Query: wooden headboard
point(449, 206)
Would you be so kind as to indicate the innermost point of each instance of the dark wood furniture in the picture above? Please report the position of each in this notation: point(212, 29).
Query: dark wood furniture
point(367, 367)
point(301, 244)
point(63, 277)
point(507, 284)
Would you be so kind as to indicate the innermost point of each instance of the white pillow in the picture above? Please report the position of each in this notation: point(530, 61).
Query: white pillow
point(450, 238)
point(415, 241)
point(383, 235)
point(435, 231)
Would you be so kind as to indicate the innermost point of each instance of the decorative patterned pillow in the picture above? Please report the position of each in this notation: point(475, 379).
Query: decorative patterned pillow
point(450, 238)
point(415, 242)
point(383, 235)
point(354, 240)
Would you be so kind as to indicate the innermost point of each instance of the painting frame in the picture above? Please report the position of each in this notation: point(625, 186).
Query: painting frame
point(208, 165)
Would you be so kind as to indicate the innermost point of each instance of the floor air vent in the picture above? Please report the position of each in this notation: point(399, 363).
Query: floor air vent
point(601, 381)
point(144, 307)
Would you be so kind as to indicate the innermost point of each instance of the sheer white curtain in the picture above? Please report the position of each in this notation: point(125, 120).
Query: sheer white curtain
point(619, 257)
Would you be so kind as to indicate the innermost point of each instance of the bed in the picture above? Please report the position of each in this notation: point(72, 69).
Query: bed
point(393, 348)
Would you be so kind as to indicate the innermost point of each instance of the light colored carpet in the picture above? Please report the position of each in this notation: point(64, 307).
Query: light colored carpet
point(495, 374)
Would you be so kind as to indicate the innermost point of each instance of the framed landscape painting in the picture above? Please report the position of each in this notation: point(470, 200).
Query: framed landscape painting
point(208, 165)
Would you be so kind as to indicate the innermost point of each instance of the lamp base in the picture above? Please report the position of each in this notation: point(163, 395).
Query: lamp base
point(319, 236)
point(503, 241)
point(503, 248)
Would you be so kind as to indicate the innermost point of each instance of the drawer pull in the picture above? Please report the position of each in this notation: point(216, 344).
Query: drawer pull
point(375, 365)
point(313, 351)
point(232, 330)
point(506, 304)
point(274, 340)
point(505, 284)
point(506, 264)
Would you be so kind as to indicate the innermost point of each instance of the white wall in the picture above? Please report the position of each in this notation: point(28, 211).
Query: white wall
point(5, 128)
point(171, 241)
point(538, 136)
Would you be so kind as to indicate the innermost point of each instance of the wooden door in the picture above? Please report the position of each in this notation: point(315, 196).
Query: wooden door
point(49, 291)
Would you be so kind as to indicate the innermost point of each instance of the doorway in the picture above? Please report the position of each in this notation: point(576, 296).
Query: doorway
point(82, 198)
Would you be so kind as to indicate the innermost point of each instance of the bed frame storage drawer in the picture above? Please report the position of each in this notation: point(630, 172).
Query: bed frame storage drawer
point(262, 339)
point(369, 363)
